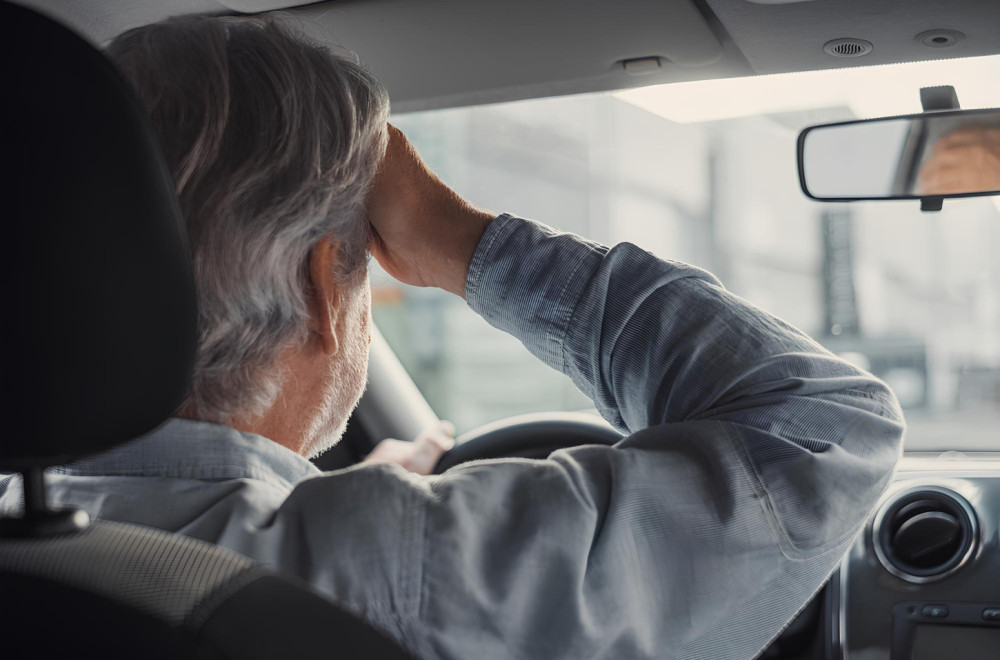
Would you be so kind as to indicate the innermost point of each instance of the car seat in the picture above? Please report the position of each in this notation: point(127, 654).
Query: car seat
point(99, 330)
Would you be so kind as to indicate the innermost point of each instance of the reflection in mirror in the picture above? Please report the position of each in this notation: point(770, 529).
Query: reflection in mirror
point(934, 154)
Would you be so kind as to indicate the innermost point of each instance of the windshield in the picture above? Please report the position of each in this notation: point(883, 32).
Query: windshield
point(706, 174)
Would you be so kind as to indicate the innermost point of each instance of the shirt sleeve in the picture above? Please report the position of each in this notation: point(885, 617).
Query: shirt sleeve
point(754, 459)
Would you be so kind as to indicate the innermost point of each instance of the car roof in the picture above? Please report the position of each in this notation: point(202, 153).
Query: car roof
point(446, 53)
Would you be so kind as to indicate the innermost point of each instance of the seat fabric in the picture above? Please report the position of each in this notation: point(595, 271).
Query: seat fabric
point(174, 593)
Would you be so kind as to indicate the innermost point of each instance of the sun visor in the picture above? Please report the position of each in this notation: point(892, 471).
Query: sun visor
point(441, 53)
point(465, 51)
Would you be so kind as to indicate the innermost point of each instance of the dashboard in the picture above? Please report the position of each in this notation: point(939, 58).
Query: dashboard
point(922, 582)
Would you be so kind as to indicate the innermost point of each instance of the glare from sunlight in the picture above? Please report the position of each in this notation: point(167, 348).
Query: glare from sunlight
point(874, 91)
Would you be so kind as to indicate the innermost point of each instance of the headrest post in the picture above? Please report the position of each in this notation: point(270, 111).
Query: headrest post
point(38, 520)
point(34, 492)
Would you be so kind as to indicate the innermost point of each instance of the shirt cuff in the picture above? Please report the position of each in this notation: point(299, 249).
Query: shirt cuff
point(527, 279)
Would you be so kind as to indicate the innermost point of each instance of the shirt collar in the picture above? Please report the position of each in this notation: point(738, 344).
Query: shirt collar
point(190, 449)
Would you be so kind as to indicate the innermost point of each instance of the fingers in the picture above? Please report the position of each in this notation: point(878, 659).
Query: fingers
point(419, 456)
point(429, 446)
point(396, 213)
point(444, 427)
point(423, 232)
point(388, 451)
point(957, 167)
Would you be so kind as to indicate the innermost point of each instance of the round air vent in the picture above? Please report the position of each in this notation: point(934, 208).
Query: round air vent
point(939, 38)
point(924, 534)
point(848, 47)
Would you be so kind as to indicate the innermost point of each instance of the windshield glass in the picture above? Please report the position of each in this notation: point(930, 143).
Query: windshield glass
point(705, 173)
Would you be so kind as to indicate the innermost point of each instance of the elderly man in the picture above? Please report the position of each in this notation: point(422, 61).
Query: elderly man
point(754, 459)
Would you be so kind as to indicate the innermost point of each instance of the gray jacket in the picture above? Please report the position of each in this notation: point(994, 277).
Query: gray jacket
point(755, 458)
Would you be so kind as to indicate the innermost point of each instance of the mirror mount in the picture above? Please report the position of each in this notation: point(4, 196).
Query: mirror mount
point(931, 203)
point(936, 99)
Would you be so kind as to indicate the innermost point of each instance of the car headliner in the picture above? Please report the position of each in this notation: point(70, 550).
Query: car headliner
point(445, 53)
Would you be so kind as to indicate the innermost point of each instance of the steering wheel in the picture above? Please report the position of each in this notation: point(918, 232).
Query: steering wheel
point(528, 436)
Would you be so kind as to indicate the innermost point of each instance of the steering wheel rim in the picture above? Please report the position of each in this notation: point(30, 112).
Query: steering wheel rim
point(528, 436)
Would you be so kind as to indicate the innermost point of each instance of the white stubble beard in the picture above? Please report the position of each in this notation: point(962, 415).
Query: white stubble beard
point(350, 375)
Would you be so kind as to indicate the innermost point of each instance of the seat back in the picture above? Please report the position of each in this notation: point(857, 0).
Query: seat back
point(100, 334)
point(100, 318)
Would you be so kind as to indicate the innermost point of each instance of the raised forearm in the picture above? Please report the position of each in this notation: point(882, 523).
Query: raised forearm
point(652, 341)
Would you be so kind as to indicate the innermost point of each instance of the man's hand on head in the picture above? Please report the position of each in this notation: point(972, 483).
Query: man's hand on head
point(423, 233)
point(966, 160)
point(419, 456)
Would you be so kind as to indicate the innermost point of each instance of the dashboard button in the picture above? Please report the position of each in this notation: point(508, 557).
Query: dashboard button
point(991, 614)
point(935, 611)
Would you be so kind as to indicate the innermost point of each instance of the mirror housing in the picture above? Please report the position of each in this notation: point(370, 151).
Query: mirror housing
point(928, 156)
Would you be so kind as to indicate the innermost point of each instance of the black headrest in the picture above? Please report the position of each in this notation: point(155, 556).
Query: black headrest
point(99, 325)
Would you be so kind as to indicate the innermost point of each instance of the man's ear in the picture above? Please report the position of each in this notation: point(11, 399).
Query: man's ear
point(325, 301)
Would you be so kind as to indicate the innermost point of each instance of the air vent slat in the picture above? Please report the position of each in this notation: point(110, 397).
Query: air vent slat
point(924, 534)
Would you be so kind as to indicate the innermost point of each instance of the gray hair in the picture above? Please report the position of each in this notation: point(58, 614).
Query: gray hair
point(273, 143)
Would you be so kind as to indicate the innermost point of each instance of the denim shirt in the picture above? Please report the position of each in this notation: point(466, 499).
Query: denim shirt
point(754, 459)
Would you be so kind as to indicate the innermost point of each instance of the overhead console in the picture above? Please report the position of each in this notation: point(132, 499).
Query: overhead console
point(779, 36)
point(923, 581)
point(446, 53)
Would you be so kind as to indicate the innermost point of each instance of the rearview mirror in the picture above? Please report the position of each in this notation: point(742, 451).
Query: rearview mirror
point(933, 154)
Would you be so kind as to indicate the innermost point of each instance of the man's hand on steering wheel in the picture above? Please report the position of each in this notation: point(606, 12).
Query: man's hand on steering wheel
point(419, 456)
